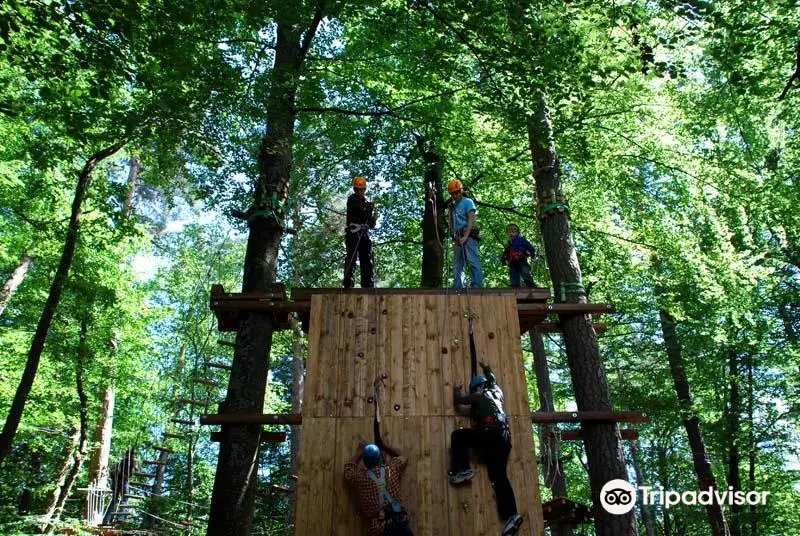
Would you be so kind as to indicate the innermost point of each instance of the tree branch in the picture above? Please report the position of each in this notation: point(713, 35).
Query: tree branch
point(309, 36)
point(795, 75)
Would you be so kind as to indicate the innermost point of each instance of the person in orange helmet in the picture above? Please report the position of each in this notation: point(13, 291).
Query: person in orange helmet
point(462, 221)
point(360, 219)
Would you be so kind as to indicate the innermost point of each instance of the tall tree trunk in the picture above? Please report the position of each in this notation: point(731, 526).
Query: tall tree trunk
point(296, 434)
point(751, 470)
point(645, 509)
point(158, 484)
point(434, 234)
point(603, 447)
point(37, 345)
point(14, 281)
point(552, 469)
point(98, 462)
point(63, 473)
point(691, 421)
point(80, 455)
point(231, 511)
point(133, 180)
point(733, 426)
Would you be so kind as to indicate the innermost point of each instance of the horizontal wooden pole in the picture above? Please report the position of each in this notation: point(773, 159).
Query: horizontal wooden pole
point(627, 434)
point(553, 417)
point(266, 437)
point(252, 418)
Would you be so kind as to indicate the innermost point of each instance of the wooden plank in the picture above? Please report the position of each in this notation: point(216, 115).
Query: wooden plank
point(514, 349)
point(317, 336)
point(315, 483)
point(542, 417)
point(222, 366)
point(251, 418)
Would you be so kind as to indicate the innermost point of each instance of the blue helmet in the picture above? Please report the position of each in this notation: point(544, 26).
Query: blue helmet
point(476, 382)
point(371, 455)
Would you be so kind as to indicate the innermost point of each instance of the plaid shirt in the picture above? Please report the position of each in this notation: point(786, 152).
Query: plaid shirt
point(366, 492)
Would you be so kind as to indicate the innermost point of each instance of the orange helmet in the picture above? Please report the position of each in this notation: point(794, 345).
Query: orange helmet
point(359, 182)
point(454, 185)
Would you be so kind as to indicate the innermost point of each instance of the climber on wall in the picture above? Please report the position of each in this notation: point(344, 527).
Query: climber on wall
point(376, 487)
point(360, 219)
point(491, 437)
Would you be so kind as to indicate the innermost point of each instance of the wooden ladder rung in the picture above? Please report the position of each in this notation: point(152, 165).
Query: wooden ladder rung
point(170, 435)
point(145, 475)
point(131, 496)
point(284, 489)
point(223, 366)
point(141, 484)
point(164, 449)
point(191, 402)
point(154, 462)
point(206, 381)
point(187, 422)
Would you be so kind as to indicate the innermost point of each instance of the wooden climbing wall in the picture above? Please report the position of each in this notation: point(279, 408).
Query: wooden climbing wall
point(421, 341)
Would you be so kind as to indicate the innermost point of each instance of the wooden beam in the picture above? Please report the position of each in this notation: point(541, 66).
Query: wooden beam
point(627, 434)
point(266, 437)
point(164, 449)
point(553, 417)
point(154, 462)
point(252, 418)
point(170, 435)
point(222, 366)
point(283, 489)
point(186, 422)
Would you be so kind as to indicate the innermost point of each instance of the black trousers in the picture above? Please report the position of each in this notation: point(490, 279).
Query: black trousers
point(363, 248)
point(493, 445)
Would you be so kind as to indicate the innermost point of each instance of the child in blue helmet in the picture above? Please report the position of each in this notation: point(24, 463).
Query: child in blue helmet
point(490, 435)
point(376, 487)
point(516, 254)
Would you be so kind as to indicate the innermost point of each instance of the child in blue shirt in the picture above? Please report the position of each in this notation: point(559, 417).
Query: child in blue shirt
point(516, 254)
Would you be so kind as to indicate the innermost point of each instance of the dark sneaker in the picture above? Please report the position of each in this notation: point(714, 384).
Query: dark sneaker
point(462, 476)
point(512, 525)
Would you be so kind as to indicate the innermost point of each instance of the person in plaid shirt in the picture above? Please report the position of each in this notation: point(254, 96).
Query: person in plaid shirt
point(376, 487)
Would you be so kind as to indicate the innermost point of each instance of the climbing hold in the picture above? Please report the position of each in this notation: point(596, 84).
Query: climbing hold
point(384, 375)
point(465, 506)
point(444, 349)
point(456, 341)
point(373, 331)
point(491, 334)
point(370, 400)
point(350, 314)
point(360, 354)
point(384, 312)
point(397, 407)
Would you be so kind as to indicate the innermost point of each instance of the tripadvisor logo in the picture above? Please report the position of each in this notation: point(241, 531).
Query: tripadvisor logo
point(619, 497)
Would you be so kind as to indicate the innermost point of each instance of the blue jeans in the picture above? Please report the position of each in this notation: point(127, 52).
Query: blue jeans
point(474, 261)
point(522, 269)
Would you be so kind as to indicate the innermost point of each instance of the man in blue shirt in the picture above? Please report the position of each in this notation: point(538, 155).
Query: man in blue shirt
point(516, 254)
point(462, 221)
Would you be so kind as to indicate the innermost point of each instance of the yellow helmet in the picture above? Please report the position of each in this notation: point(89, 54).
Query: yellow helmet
point(360, 182)
point(454, 185)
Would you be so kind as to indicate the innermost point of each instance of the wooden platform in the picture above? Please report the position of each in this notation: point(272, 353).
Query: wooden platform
point(420, 341)
point(532, 306)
